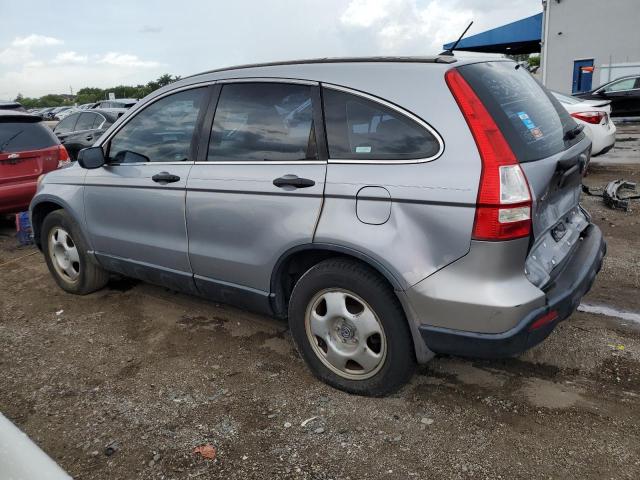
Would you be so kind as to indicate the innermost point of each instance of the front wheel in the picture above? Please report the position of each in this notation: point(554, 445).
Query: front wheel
point(66, 255)
point(350, 328)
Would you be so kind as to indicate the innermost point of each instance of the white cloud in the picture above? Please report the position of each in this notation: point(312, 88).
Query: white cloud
point(20, 49)
point(69, 58)
point(35, 40)
point(402, 26)
point(126, 60)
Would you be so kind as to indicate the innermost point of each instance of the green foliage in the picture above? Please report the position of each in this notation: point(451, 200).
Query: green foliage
point(534, 61)
point(92, 94)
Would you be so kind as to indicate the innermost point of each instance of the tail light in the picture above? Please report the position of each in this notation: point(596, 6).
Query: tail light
point(503, 210)
point(590, 117)
point(63, 157)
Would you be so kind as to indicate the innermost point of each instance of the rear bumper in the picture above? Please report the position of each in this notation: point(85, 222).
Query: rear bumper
point(563, 297)
point(15, 197)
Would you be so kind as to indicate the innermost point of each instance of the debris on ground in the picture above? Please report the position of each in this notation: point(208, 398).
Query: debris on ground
point(610, 194)
point(207, 451)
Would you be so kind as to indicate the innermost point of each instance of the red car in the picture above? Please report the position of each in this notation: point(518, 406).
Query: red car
point(27, 150)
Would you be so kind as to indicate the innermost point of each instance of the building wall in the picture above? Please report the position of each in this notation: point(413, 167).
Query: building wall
point(606, 31)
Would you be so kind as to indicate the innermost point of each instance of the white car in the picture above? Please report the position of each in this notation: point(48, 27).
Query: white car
point(595, 115)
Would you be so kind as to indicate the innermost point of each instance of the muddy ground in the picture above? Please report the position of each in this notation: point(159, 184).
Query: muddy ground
point(124, 383)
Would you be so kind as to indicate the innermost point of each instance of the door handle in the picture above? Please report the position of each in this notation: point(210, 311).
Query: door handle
point(293, 181)
point(165, 177)
point(89, 138)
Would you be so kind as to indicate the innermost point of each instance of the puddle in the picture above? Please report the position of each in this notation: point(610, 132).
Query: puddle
point(609, 312)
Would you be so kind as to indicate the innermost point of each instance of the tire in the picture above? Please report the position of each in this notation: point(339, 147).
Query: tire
point(350, 329)
point(65, 252)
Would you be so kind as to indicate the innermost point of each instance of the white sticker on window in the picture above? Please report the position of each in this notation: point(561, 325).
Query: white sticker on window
point(363, 149)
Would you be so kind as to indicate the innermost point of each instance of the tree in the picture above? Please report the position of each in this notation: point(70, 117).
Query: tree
point(93, 94)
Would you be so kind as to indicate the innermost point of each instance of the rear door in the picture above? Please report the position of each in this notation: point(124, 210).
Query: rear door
point(256, 189)
point(540, 133)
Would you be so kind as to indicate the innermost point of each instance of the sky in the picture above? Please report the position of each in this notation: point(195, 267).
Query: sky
point(63, 45)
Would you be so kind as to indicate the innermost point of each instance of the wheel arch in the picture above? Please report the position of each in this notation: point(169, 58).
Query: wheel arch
point(297, 260)
point(43, 207)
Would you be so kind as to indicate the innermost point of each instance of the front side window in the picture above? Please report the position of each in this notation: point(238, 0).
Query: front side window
point(162, 132)
point(626, 84)
point(358, 128)
point(68, 124)
point(262, 122)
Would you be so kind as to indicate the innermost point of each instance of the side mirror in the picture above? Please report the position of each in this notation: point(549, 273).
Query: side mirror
point(92, 157)
point(601, 93)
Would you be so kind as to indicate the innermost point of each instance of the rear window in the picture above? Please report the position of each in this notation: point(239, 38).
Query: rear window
point(358, 128)
point(531, 119)
point(24, 136)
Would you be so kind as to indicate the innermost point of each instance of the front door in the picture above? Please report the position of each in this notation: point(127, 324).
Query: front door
point(582, 76)
point(135, 204)
point(257, 188)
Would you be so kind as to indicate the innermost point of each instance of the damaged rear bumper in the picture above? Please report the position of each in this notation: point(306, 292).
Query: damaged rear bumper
point(562, 297)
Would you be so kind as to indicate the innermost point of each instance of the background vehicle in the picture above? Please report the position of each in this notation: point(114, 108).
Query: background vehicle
point(117, 103)
point(82, 128)
point(65, 113)
point(594, 115)
point(85, 106)
point(53, 112)
point(623, 92)
point(27, 150)
point(12, 106)
point(390, 208)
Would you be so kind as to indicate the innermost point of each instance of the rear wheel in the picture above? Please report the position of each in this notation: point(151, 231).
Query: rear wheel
point(66, 255)
point(350, 328)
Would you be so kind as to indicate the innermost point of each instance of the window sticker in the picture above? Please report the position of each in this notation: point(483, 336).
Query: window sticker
point(363, 149)
point(536, 132)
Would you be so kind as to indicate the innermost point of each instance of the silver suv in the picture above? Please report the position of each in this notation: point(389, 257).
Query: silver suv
point(391, 208)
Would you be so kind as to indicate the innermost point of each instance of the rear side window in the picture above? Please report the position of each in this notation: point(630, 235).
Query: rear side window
point(531, 119)
point(68, 124)
point(23, 136)
point(85, 122)
point(262, 122)
point(358, 128)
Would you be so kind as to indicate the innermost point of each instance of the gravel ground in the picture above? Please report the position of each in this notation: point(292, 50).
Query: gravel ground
point(126, 382)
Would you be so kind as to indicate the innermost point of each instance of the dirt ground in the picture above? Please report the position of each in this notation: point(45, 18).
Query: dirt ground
point(124, 383)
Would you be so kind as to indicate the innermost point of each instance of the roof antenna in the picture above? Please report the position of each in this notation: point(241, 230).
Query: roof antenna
point(449, 51)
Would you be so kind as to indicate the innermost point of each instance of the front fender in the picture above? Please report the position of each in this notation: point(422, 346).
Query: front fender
point(59, 190)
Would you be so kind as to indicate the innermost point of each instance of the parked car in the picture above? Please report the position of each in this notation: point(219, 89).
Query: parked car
point(27, 150)
point(594, 115)
point(623, 92)
point(390, 208)
point(86, 106)
point(117, 103)
point(12, 106)
point(65, 113)
point(82, 128)
point(42, 113)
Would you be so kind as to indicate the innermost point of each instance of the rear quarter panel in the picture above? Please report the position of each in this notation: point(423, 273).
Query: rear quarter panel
point(432, 203)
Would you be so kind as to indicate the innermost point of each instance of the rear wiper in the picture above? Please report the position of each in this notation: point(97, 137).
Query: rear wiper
point(574, 132)
point(9, 140)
